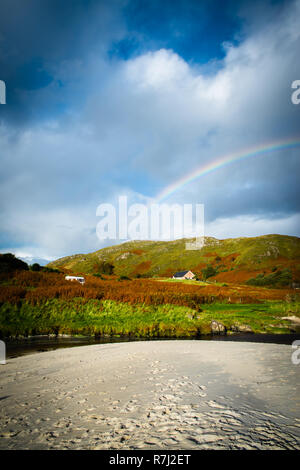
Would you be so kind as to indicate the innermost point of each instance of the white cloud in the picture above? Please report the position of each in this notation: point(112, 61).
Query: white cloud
point(157, 70)
point(247, 226)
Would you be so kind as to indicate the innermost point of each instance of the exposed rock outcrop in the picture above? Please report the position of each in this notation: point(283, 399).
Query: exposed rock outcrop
point(241, 329)
point(218, 328)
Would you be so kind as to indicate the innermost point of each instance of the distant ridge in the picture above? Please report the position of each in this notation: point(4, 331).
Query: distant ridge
point(233, 259)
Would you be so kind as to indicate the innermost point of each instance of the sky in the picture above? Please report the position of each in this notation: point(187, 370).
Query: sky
point(109, 98)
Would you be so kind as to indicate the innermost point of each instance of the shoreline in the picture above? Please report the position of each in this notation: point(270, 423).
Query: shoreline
point(42, 343)
point(152, 395)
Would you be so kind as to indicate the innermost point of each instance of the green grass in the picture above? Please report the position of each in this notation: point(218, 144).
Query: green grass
point(191, 281)
point(95, 317)
point(262, 318)
point(184, 281)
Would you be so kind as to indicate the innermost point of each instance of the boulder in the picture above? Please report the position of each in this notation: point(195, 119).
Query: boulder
point(217, 328)
point(241, 329)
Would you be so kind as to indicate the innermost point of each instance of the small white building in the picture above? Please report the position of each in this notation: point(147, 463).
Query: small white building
point(75, 278)
point(184, 275)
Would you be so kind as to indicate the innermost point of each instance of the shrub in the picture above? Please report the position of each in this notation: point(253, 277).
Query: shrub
point(9, 263)
point(103, 267)
point(98, 275)
point(209, 271)
point(46, 269)
point(275, 279)
point(35, 267)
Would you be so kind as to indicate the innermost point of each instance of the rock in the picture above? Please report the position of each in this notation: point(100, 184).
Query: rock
point(217, 328)
point(241, 329)
point(124, 255)
point(292, 319)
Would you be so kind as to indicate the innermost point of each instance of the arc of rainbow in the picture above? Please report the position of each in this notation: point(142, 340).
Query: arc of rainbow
point(225, 160)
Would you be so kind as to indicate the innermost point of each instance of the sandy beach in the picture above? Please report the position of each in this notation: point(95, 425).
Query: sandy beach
point(152, 395)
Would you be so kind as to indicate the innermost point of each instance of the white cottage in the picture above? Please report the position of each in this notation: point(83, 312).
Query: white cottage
point(184, 275)
point(75, 278)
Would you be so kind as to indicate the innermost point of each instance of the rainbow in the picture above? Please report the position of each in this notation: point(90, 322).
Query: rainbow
point(225, 160)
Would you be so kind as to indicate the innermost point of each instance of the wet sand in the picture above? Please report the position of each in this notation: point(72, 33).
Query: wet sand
point(152, 395)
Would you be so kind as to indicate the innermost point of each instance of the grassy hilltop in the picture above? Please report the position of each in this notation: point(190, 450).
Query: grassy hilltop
point(234, 260)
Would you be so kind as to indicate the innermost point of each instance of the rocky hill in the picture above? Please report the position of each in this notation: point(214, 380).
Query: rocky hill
point(234, 260)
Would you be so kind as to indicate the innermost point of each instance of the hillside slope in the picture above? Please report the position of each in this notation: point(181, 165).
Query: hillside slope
point(235, 259)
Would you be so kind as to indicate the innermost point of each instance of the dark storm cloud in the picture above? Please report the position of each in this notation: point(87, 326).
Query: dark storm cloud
point(37, 38)
point(195, 29)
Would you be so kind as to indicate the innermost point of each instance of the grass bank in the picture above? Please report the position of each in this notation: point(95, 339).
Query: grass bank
point(112, 318)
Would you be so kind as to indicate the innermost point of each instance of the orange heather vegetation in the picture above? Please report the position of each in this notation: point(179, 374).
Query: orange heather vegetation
point(36, 287)
point(242, 274)
point(137, 252)
point(141, 268)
